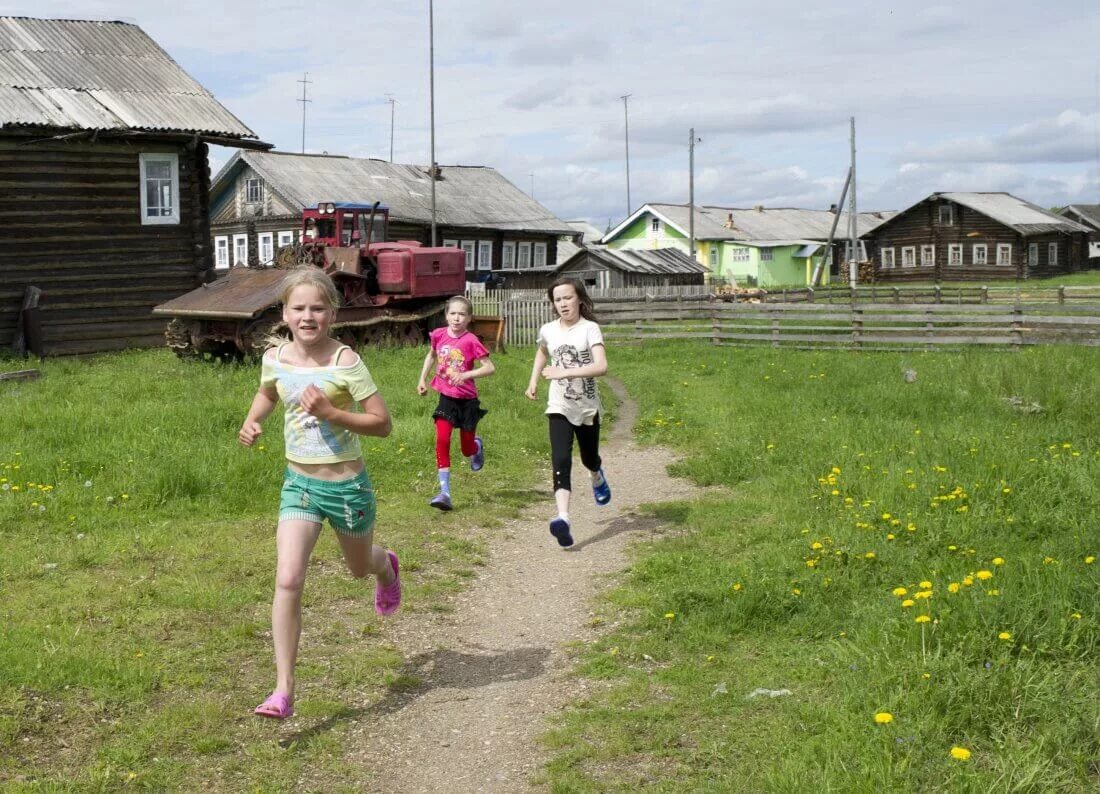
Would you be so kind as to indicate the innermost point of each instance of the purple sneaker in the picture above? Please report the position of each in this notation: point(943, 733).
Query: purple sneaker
point(559, 528)
point(441, 501)
point(387, 598)
point(477, 460)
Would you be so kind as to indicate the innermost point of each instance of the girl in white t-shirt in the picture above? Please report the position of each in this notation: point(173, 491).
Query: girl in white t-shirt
point(571, 356)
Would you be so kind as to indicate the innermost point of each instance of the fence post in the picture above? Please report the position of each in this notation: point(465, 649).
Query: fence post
point(810, 295)
point(714, 323)
point(857, 325)
point(985, 294)
point(930, 328)
point(897, 295)
point(1061, 295)
point(937, 293)
point(1017, 326)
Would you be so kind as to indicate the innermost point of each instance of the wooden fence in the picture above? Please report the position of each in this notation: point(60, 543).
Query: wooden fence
point(936, 294)
point(904, 323)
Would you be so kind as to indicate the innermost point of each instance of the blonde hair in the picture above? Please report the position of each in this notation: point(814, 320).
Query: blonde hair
point(310, 276)
point(464, 301)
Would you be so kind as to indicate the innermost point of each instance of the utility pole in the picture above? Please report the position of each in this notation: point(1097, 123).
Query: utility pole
point(626, 138)
point(532, 185)
point(304, 81)
point(853, 217)
point(393, 104)
point(692, 140)
point(431, 94)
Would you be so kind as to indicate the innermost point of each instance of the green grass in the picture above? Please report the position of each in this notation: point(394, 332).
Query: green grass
point(843, 482)
point(138, 568)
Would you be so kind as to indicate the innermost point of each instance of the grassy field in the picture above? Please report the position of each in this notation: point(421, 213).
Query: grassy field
point(895, 591)
point(138, 569)
point(139, 559)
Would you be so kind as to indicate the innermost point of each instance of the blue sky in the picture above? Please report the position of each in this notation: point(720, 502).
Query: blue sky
point(971, 95)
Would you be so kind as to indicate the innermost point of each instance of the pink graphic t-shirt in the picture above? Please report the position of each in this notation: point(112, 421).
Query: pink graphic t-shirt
point(454, 356)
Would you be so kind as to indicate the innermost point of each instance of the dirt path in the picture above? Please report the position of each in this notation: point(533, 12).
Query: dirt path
point(492, 670)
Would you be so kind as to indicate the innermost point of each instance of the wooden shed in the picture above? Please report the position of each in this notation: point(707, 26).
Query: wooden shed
point(605, 268)
point(103, 161)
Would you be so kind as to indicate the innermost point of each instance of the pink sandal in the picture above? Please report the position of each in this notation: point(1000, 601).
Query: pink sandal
point(277, 706)
point(387, 598)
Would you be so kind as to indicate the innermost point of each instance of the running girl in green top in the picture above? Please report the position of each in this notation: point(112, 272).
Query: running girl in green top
point(320, 382)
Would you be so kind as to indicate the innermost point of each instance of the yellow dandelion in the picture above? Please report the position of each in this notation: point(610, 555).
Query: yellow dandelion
point(1004, 635)
point(869, 555)
point(907, 603)
point(998, 560)
point(899, 591)
point(670, 615)
point(923, 594)
point(816, 545)
point(736, 586)
point(925, 676)
point(968, 580)
point(960, 753)
point(952, 548)
point(886, 516)
point(1076, 616)
point(922, 619)
point(884, 718)
point(1048, 560)
point(811, 563)
point(925, 585)
point(994, 593)
point(984, 575)
point(953, 587)
point(796, 591)
point(1089, 560)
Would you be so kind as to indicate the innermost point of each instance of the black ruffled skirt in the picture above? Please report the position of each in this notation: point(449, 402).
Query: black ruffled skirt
point(462, 413)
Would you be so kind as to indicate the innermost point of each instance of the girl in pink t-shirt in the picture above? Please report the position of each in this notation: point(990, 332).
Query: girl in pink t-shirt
point(454, 351)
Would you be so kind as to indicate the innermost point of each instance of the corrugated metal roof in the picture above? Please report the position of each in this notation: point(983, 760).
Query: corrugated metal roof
point(1090, 213)
point(779, 223)
point(470, 196)
point(590, 232)
point(651, 261)
point(88, 75)
point(1023, 216)
point(566, 249)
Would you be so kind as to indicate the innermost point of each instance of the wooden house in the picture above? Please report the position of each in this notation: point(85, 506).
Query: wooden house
point(603, 268)
point(757, 246)
point(1088, 215)
point(103, 161)
point(975, 236)
point(257, 201)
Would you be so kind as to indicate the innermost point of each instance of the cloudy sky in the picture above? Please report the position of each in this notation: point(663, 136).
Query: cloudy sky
point(971, 95)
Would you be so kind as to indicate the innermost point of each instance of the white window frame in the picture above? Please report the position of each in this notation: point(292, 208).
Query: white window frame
point(240, 244)
point(712, 256)
point(173, 216)
point(253, 184)
point(1052, 254)
point(523, 256)
point(484, 254)
point(221, 252)
point(946, 218)
point(265, 243)
point(766, 254)
point(888, 260)
point(285, 238)
point(1004, 254)
point(470, 248)
point(538, 255)
point(928, 256)
point(1033, 254)
point(741, 254)
point(508, 255)
point(955, 255)
point(979, 254)
point(654, 226)
point(908, 256)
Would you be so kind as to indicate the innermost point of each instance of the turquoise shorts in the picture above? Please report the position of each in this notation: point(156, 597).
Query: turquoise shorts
point(348, 505)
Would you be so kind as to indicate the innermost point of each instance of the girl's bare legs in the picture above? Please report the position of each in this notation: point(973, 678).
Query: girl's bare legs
point(294, 541)
point(364, 558)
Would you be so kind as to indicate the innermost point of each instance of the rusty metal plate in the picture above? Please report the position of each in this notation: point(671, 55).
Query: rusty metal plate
point(242, 293)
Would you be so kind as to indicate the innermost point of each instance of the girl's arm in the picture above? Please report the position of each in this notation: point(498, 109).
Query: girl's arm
point(373, 421)
point(484, 369)
point(262, 405)
point(594, 370)
point(541, 357)
point(422, 385)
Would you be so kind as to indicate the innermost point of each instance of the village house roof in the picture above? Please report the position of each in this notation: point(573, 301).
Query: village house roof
point(103, 76)
point(656, 261)
point(470, 196)
point(1023, 216)
point(1088, 213)
point(762, 226)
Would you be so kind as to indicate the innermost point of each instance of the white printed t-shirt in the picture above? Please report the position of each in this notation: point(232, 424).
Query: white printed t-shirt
point(577, 399)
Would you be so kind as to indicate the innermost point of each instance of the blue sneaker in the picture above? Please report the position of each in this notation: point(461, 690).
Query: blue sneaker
point(441, 501)
point(602, 492)
point(559, 528)
point(477, 460)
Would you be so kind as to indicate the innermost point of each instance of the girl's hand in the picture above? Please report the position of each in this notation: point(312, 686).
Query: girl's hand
point(554, 373)
point(316, 403)
point(458, 378)
point(532, 392)
point(249, 432)
point(421, 389)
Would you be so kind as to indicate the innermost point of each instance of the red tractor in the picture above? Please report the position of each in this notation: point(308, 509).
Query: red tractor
point(393, 291)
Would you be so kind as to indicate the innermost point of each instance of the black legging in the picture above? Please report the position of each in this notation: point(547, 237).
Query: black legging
point(562, 432)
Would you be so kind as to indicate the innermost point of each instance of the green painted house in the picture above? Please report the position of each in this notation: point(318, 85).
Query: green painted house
point(753, 247)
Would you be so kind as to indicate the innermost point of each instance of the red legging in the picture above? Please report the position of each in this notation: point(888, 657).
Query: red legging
point(443, 430)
